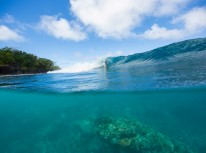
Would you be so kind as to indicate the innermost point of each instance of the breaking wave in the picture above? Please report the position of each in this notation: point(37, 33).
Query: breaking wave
point(184, 49)
point(81, 67)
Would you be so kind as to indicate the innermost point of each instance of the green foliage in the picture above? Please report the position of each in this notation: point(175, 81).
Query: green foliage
point(23, 62)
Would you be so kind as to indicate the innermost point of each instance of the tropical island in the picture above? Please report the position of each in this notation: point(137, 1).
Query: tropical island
point(13, 61)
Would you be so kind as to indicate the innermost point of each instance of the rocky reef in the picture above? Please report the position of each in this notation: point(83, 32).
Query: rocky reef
point(135, 137)
point(111, 134)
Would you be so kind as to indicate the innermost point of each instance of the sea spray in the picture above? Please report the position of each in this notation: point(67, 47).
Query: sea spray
point(82, 66)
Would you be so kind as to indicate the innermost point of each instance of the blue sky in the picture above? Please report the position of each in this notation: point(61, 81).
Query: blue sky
point(74, 31)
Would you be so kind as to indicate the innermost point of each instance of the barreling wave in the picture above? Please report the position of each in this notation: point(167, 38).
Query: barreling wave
point(163, 54)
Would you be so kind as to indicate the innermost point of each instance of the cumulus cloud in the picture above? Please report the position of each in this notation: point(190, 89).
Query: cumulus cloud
point(169, 7)
point(117, 19)
point(193, 22)
point(7, 34)
point(157, 32)
point(61, 28)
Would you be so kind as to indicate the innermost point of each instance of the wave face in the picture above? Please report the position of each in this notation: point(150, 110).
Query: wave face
point(162, 54)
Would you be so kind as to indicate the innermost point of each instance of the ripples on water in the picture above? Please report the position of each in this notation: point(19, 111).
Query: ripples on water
point(182, 72)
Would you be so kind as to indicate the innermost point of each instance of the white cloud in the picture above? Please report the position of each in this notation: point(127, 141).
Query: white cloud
point(7, 34)
point(193, 22)
point(157, 32)
point(169, 7)
point(118, 18)
point(61, 28)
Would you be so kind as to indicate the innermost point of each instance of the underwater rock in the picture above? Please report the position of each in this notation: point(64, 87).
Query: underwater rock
point(132, 136)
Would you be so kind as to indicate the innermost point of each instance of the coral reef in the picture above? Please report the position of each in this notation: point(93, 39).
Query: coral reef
point(128, 136)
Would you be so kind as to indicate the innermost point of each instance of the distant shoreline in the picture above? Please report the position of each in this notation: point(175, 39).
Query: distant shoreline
point(17, 62)
point(5, 75)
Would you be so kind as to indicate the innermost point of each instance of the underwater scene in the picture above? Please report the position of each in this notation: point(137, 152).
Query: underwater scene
point(165, 121)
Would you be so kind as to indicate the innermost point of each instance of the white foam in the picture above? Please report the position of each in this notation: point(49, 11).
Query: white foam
point(81, 67)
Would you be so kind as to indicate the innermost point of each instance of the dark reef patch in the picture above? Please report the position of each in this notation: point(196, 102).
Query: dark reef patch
point(111, 134)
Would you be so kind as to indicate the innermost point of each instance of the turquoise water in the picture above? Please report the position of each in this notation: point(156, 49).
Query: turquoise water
point(48, 122)
point(133, 107)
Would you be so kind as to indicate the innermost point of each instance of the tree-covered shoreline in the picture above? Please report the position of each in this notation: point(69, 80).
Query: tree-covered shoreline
point(13, 61)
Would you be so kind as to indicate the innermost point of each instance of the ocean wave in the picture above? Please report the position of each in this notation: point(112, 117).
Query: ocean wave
point(162, 54)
